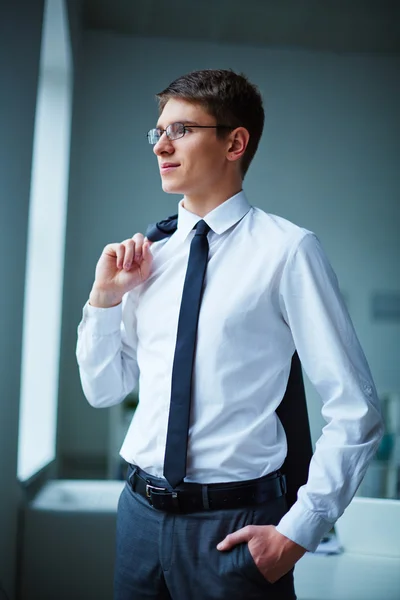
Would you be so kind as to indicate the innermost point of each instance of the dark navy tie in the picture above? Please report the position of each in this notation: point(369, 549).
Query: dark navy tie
point(181, 385)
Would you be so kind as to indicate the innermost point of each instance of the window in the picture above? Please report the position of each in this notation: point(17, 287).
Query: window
point(45, 247)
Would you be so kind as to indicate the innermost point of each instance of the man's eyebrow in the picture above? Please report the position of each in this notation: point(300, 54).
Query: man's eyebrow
point(185, 122)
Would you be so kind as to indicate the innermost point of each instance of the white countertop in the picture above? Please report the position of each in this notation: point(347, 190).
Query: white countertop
point(347, 576)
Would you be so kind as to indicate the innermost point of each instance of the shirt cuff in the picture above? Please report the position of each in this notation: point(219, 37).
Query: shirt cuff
point(102, 321)
point(304, 527)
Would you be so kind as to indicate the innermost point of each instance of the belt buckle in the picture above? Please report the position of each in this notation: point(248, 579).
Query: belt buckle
point(149, 489)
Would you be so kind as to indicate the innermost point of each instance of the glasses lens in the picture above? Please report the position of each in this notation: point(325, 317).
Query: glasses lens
point(175, 131)
point(153, 136)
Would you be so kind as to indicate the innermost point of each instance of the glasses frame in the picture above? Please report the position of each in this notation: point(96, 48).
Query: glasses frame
point(167, 130)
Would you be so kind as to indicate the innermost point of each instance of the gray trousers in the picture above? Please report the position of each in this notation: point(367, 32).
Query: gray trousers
point(167, 556)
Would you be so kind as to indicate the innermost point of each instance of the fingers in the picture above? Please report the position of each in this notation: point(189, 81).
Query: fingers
point(129, 251)
point(138, 240)
point(146, 249)
point(237, 537)
point(125, 252)
point(132, 251)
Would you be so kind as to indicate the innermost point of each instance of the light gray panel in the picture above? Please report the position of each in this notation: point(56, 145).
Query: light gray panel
point(385, 306)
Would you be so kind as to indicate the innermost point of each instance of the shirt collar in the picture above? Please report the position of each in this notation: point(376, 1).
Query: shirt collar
point(219, 220)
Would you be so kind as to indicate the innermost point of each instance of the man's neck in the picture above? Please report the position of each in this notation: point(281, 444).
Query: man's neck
point(202, 205)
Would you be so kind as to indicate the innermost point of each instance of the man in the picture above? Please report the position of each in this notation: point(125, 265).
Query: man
point(215, 525)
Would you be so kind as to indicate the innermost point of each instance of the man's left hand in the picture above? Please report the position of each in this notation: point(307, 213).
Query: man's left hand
point(273, 553)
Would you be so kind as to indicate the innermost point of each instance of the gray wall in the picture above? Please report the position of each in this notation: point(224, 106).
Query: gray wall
point(74, 15)
point(20, 36)
point(328, 160)
point(74, 11)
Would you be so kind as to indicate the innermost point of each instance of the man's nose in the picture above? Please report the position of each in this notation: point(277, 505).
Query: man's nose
point(163, 145)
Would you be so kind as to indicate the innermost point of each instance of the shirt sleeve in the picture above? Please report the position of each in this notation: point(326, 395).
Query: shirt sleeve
point(106, 352)
point(332, 357)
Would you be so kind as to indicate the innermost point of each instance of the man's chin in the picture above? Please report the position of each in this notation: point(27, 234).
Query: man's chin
point(169, 188)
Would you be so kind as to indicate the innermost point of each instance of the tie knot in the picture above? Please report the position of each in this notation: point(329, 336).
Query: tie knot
point(202, 228)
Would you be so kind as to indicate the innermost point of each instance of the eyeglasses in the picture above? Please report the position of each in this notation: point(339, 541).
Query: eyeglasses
point(178, 130)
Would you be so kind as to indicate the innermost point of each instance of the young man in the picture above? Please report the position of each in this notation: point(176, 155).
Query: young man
point(214, 524)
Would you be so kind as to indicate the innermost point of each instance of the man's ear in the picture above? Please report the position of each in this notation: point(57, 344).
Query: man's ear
point(237, 143)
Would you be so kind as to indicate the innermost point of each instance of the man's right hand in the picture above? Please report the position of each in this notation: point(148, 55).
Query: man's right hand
point(120, 268)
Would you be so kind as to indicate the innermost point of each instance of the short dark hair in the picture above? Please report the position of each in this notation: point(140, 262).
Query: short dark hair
point(227, 96)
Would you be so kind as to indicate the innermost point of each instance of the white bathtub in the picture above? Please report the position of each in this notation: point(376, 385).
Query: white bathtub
point(68, 541)
point(78, 495)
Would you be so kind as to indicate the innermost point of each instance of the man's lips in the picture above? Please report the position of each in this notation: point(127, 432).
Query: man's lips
point(165, 167)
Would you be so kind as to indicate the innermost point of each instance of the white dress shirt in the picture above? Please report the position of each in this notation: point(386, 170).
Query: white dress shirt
point(269, 289)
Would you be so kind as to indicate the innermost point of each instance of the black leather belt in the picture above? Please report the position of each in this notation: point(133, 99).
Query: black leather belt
point(193, 497)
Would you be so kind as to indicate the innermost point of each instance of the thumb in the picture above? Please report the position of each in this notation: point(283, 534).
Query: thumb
point(146, 249)
point(237, 537)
